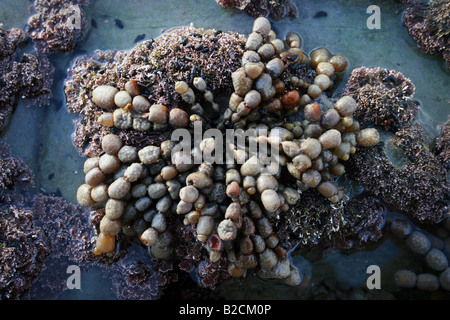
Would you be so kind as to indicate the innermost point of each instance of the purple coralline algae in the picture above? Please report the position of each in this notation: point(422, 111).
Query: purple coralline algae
point(428, 24)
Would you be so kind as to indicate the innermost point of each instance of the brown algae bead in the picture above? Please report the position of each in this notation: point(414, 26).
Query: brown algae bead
point(103, 96)
point(311, 178)
point(133, 172)
point(262, 26)
point(343, 150)
point(312, 112)
point(100, 193)
point(111, 143)
point(114, 209)
point(337, 169)
point(109, 163)
point(149, 237)
point(292, 36)
point(274, 105)
point(94, 177)
point(234, 271)
point(330, 118)
point(322, 81)
point(90, 163)
point(122, 99)
point(314, 91)
point(405, 279)
point(169, 172)
point(427, 282)
point(327, 189)
point(330, 139)
point(149, 154)
point(178, 118)
point(270, 200)
point(140, 104)
point(205, 227)
point(252, 99)
point(311, 147)
point(106, 119)
point(304, 100)
point(84, 195)
point(181, 87)
point(275, 67)
point(339, 63)
point(105, 243)
point(132, 88)
point(233, 211)
point(266, 181)
point(267, 259)
point(189, 194)
point(368, 137)
point(122, 119)
point(158, 114)
point(119, 188)
point(249, 56)
point(302, 162)
point(290, 99)
point(325, 68)
point(254, 41)
point(110, 227)
point(226, 230)
point(127, 154)
point(345, 106)
point(266, 51)
point(319, 55)
point(254, 69)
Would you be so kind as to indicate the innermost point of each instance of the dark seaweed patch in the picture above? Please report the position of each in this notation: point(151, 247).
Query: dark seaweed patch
point(139, 38)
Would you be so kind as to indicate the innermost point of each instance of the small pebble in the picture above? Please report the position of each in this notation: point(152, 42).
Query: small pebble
point(127, 154)
point(122, 119)
point(368, 137)
point(132, 88)
point(158, 114)
point(149, 154)
point(418, 242)
point(436, 260)
point(312, 112)
point(122, 99)
point(405, 279)
point(427, 282)
point(345, 106)
point(178, 118)
point(111, 144)
point(103, 96)
point(262, 26)
point(444, 279)
point(140, 104)
point(109, 163)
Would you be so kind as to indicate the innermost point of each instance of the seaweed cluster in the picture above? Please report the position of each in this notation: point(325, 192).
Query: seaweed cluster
point(428, 23)
point(229, 210)
point(420, 188)
point(27, 78)
point(256, 8)
point(57, 25)
point(178, 55)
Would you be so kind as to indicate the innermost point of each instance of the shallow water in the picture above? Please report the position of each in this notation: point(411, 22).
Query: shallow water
point(41, 136)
